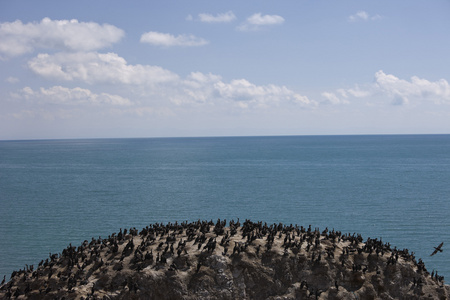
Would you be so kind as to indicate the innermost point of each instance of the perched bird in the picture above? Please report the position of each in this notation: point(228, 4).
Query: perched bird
point(437, 249)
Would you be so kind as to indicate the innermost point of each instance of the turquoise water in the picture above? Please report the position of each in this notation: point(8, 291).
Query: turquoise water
point(57, 192)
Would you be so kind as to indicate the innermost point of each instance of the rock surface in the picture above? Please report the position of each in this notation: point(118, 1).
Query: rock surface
point(209, 260)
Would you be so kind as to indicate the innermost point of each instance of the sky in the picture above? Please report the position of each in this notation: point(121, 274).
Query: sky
point(113, 69)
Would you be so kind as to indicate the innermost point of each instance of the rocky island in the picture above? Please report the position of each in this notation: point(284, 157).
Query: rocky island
point(216, 260)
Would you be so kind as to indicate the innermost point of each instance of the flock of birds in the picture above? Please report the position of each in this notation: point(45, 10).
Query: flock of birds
point(160, 244)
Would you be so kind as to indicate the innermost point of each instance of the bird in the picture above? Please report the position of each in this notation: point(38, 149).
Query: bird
point(437, 249)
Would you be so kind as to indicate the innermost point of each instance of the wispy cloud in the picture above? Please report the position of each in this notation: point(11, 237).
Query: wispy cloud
point(17, 38)
point(169, 40)
point(12, 79)
point(258, 21)
point(363, 16)
point(71, 96)
point(218, 18)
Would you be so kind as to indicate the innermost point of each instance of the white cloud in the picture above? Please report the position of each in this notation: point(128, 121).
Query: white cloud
point(203, 88)
point(331, 98)
point(168, 40)
point(355, 92)
point(157, 83)
point(257, 21)
point(219, 18)
point(17, 38)
point(243, 90)
point(402, 91)
point(93, 67)
point(363, 16)
point(360, 15)
point(397, 91)
point(198, 88)
point(74, 96)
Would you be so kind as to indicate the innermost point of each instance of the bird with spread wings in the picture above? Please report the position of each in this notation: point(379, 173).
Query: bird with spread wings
point(437, 249)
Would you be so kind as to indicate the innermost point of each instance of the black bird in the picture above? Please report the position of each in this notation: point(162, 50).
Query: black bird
point(437, 249)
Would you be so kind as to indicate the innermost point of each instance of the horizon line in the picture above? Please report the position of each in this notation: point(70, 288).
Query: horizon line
point(219, 136)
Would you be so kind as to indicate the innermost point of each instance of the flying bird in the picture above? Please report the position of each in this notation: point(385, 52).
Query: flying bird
point(437, 249)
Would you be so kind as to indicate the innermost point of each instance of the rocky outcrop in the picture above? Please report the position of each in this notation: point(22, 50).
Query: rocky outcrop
point(210, 260)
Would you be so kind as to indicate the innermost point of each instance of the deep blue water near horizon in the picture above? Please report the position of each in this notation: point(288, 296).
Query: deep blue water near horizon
point(56, 192)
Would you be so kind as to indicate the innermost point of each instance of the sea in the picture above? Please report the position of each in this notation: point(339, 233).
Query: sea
point(59, 192)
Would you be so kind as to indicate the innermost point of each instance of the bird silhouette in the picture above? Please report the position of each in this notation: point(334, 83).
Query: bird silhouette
point(437, 249)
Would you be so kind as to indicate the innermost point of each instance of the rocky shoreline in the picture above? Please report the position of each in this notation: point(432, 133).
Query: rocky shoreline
point(213, 260)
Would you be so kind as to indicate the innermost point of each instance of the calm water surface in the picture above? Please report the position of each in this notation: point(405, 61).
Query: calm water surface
point(57, 192)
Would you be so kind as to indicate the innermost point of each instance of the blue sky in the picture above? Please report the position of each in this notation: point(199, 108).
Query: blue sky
point(76, 69)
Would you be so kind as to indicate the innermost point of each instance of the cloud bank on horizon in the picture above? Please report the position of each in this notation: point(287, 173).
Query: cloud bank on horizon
point(70, 67)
